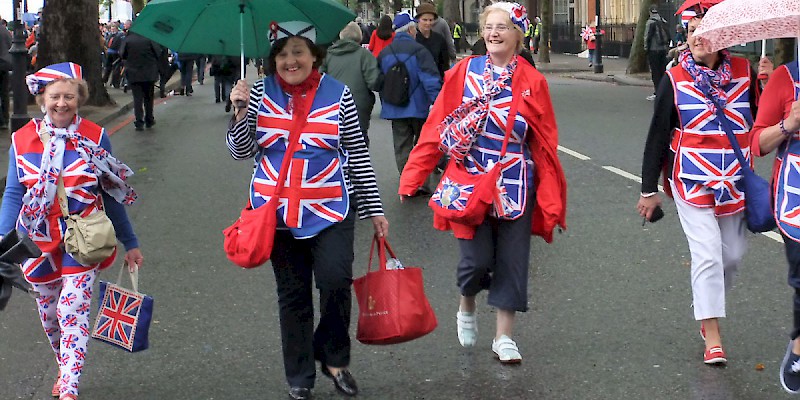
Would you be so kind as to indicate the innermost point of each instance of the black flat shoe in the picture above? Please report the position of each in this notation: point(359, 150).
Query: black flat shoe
point(299, 393)
point(343, 381)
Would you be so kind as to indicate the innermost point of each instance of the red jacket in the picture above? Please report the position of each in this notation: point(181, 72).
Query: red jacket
point(377, 44)
point(529, 87)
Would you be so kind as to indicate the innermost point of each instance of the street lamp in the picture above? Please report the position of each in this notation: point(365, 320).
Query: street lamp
point(598, 34)
point(19, 57)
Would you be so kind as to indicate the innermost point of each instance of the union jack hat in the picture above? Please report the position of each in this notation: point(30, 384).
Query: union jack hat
point(517, 12)
point(38, 80)
point(291, 28)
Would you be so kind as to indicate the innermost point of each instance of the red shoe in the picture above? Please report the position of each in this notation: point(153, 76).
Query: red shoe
point(703, 331)
point(715, 355)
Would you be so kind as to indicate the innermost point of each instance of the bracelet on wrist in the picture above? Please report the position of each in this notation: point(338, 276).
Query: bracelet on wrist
point(651, 194)
point(784, 131)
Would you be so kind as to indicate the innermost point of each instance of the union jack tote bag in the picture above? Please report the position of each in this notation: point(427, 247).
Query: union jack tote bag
point(123, 315)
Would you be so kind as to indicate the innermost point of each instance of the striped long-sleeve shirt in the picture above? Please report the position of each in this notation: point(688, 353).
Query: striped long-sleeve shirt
point(358, 173)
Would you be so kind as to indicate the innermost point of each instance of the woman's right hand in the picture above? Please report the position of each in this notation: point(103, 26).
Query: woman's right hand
point(792, 122)
point(240, 96)
point(647, 205)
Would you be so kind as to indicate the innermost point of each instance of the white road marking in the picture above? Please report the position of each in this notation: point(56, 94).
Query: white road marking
point(772, 235)
point(574, 153)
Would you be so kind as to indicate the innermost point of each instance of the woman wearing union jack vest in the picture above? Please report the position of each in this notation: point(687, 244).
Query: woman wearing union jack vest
point(471, 121)
point(330, 179)
point(64, 149)
point(778, 127)
point(687, 142)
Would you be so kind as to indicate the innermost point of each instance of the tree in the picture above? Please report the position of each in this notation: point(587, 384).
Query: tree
point(638, 59)
point(544, 34)
point(69, 32)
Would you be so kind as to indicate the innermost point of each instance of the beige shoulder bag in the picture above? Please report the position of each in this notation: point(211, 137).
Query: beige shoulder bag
point(89, 240)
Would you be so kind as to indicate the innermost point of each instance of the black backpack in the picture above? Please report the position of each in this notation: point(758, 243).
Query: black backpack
point(397, 83)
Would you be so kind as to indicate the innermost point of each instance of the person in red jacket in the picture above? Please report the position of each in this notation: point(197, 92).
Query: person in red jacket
point(531, 194)
point(382, 36)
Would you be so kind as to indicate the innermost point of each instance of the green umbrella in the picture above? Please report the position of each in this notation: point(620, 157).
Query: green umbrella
point(234, 27)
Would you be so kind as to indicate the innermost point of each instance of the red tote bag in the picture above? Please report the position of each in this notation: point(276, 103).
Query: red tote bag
point(392, 306)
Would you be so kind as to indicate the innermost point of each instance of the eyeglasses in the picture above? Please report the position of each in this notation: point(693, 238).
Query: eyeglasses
point(495, 28)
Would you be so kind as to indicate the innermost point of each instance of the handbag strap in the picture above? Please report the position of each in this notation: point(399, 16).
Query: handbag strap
point(383, 247)
point(294, 142)
point(512, 117)
point(61, 193)
point(726, 126)
point(134, 274)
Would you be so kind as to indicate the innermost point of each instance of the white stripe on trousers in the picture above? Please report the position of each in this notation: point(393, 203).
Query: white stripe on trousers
point(717, 245)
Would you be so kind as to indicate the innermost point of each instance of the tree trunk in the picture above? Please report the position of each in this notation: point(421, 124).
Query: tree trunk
point(784, 51)
point(637, 62)
point(452, 11)
point(137, 6)
point(69, 33)
point(547, 24)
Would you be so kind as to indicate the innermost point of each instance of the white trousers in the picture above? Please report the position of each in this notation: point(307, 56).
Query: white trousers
point(717, 245)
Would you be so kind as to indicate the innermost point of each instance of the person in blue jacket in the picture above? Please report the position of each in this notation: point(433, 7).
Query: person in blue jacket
point(424, 85)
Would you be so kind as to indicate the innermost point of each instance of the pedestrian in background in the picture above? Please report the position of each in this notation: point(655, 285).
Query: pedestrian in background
point(433, 41)
point(225, 70)
point(777, 126)
point(201, 62)
point(5, 69)
point(588, 35)
point(382, 36)
point(187, 61)
point(686, 140)
point(656, 45)
point(495, 254)
point(61, 141)
point(423, 86)
point(308, 246)
point(141, 56)
point(113, 67)
point(355, 66)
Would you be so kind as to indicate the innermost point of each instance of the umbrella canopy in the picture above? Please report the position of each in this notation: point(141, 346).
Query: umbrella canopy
point(734, 22)
point(213, 26)
point(691, 3)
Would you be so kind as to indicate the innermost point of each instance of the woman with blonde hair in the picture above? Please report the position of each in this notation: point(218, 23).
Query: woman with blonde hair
point(469, 122)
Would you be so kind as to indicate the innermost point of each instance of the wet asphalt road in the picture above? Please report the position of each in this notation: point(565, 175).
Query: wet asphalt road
point(609, 317)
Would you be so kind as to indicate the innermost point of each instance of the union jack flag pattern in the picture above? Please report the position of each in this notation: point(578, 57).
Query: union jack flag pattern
point(314, 195)
point(517, 166)
point(123, 317)
point(706, 171)
point(787, 188)
point(81, 187)
point(38, 80)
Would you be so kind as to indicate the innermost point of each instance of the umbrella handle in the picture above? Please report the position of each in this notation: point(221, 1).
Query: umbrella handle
point(239, 103)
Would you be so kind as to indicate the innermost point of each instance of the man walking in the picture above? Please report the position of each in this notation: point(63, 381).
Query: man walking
point(458, 34)
point(433, 41)
point(113, 44)
point(424, 84)
point(656, 44)
point(141, 57)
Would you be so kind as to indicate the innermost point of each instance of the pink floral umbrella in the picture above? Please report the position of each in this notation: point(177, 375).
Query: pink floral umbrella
point(733, 22)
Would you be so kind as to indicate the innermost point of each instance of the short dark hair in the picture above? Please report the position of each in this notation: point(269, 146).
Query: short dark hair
point(278, 46)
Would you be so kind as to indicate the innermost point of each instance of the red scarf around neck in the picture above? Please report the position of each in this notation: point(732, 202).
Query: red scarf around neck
point(299, 102)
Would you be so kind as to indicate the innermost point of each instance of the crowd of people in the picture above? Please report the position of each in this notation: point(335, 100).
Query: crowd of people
point(456, 124)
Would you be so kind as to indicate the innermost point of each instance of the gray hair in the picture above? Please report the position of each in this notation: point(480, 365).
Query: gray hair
point(352, 32)
point(407, 28)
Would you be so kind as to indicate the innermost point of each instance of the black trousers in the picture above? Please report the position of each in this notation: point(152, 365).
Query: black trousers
point(793, 257)
point(142, 102)
point(111, 58)
point(657, 59)
point(4, 105)
point(327, 259)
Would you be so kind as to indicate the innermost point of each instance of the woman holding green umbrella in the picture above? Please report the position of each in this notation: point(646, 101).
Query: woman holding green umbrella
point(330, 179)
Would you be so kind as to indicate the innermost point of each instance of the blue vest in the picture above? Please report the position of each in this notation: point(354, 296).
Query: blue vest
point(787, 185)
point(314, 195)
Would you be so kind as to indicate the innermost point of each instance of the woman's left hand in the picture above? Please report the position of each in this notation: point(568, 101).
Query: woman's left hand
point(381, 225)
point(134, 259)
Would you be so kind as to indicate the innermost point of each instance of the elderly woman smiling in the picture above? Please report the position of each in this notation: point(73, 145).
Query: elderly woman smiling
point(63, 141)
point(313, 242)
point(470, 121)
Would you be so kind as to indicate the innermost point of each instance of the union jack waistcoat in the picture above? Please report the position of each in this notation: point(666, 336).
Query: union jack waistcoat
point(787, 179)
point(314, 195)
point(83, 196)
point(706, 172)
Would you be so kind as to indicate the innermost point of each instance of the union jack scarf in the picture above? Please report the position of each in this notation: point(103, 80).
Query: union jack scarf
point(111, 172)
point(459, 129)
point(709, 81)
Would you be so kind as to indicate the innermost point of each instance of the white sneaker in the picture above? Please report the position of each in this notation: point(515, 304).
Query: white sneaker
point(506, 350)
point(467, 328)
point(651, 97)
